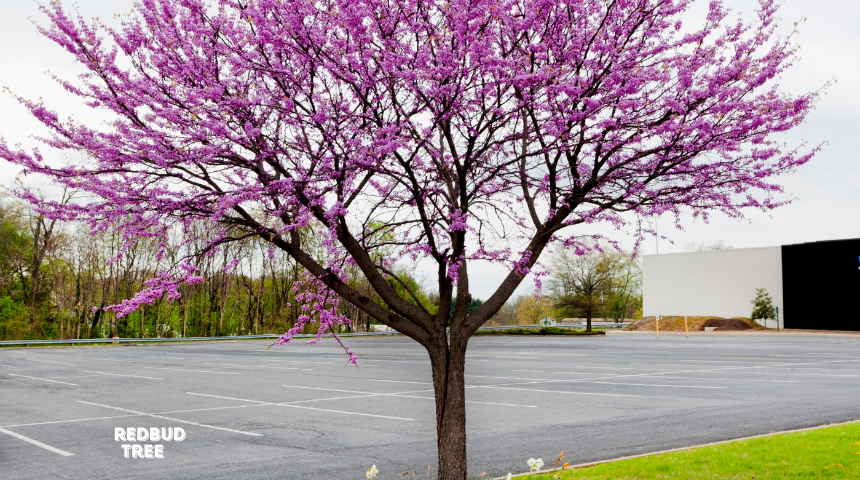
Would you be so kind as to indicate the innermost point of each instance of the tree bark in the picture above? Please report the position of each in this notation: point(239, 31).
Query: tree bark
point(448, 366)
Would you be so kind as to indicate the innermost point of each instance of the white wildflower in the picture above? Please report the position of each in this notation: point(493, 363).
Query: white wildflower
point(535, 464)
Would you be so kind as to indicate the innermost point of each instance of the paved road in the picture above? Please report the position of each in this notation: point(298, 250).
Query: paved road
point(297, 412)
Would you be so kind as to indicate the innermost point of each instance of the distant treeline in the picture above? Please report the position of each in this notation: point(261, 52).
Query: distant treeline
point(56, 278)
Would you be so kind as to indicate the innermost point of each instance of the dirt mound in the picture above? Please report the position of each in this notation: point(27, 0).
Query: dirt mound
point(727, 324)
point(676, 324)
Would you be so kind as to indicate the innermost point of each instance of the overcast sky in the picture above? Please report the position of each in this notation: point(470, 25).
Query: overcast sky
point(827, 204)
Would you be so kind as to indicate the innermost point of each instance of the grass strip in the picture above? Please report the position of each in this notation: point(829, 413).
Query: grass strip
point(825, 453)
point(539, 331)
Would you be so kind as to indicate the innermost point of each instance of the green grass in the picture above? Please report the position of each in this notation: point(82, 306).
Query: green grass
point(827, 453)
point(539, 331)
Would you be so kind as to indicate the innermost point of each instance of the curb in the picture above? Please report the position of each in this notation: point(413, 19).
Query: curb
point(794, 332)
point(679, 449)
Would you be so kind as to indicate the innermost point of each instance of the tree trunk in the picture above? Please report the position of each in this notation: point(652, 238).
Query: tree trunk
point(36, 273)
point(448, 365)
point(588, 322)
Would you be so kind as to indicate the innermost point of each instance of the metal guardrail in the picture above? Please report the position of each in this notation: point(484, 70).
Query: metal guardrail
point(569, 325)
point(270, 336)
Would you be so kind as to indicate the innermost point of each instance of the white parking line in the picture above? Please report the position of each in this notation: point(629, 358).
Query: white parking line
point(185, 370)
point(788, 374)
point(7, 366)
point(638, 369)
point(42, 379)
point(46, 361)
point(312, 362)
point(402, 395)
point(756, 380)
point(499, 386)
point(397, 381)
point(553, 391)
point(36, 443)
point(506, 357)
point(305, 408)
point(565, 373)
point(492, 376)
point(717, 369)
point(676, 365)
point(172, 419)
point(349, 413)
point(647, 384)
point(110, 359)
point(74, 420)
point(89, 419)
point(258, 366)
point(401, 361)
point(123, 375)
point(663, 375)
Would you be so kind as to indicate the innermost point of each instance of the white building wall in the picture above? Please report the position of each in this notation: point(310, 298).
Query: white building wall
point(719, 283)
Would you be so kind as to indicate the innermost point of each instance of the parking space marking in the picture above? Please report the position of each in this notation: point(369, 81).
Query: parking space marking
point(397, 381)
point(123, 375)
point(401, 395)
point(186, 370)
point(276, 359)
point(258, 366)
point(789, 374)
point(110, 359)
point(553, 391)
point(36, 443)
point(42, 379)
point(289, 405)
point(7, 366)
point(677, 365)
point(565, 373)
point(718, 369)
point(74, 420)
point(468, 355)
point(346, 413)
point(586, 380)
point(48, 361)
point(757, 380)
point(493, 376)
point(646, 384)
point(426, 362)
point(172, 419)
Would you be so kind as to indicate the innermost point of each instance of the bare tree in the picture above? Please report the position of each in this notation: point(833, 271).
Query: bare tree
point(581, 282)
point(707, 247)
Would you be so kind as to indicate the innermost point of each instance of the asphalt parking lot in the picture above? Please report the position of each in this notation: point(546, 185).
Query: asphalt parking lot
point(298, 412)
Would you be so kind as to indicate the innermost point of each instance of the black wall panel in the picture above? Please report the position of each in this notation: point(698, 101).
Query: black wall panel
point(821, 285)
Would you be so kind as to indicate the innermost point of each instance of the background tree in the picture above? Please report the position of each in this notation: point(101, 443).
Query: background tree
point(467, 129)
point(14, 250)
point(762, 306)
point(507, 315)
point(624, 291)
point(707, 247)
point(583, 283)
point(532, 309)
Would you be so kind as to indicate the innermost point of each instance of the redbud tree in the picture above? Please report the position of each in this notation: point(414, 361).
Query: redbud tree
point(448, 132)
